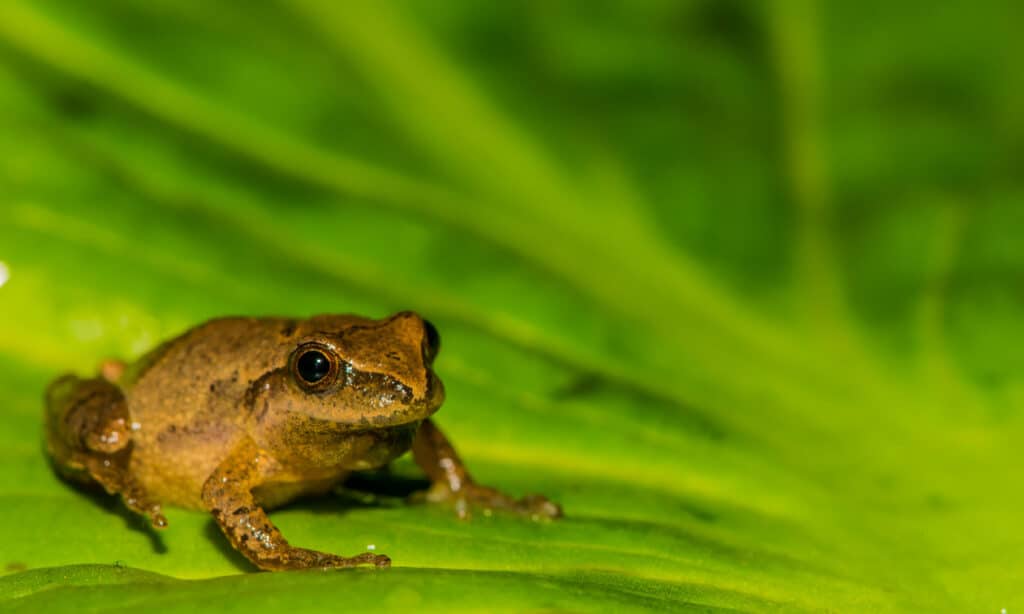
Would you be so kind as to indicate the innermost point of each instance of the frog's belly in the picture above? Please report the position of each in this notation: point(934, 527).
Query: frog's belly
point(181, 484)
point(173, 464)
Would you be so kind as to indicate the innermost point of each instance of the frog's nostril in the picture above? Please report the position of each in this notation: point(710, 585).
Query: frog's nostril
point(433, 339)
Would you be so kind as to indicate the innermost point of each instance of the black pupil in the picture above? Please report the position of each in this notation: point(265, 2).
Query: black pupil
point(313, 366)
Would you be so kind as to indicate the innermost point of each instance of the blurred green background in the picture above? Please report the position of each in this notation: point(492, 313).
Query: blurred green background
point(738, 283)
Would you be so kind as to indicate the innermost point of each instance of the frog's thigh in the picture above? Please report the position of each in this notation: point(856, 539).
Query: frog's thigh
point(88, 434)
point(83, 418)
point(228, 494)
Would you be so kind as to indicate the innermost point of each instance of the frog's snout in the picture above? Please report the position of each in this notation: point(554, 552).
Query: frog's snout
point(419, 332)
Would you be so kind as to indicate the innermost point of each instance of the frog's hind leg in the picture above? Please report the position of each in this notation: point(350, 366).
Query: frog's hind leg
point(88, 435)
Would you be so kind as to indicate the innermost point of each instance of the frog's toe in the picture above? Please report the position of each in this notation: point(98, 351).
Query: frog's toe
point(378, 561)
point(369, 558)
point(538, 507)
point(112, 369)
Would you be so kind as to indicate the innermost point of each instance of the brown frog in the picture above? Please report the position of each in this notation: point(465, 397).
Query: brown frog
point(239, 415)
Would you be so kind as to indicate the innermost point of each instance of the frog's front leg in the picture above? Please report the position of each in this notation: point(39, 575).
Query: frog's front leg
point(451, 481)
point(88, 435)
point(227, 493)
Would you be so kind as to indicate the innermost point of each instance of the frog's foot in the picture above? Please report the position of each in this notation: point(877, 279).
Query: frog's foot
point(471, 495)
point(452, 483)
point(292, 558)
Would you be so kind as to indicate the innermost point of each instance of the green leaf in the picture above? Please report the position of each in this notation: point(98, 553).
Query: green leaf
point(736, 283)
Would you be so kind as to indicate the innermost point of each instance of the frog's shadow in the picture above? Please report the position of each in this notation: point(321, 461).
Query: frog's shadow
point(113, 505)
point(213, 533)
point(363, 490)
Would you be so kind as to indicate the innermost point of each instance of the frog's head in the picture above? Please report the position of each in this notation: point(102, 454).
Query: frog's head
point(361, 373)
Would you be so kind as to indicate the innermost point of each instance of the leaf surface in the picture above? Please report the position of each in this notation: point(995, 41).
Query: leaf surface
point(737, 284)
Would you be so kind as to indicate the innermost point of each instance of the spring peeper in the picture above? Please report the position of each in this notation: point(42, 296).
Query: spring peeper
point(239, 415)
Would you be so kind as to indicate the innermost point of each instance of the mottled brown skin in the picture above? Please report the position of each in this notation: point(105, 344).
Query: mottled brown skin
point(224, 419)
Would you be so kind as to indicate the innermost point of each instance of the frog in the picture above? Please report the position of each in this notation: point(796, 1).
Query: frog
point(241, 415)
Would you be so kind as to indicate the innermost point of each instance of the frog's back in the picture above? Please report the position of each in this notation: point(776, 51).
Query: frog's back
point(185, 400)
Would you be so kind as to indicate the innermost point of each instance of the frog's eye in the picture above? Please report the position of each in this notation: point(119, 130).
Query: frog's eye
point(314, 365)
point(433, 339)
